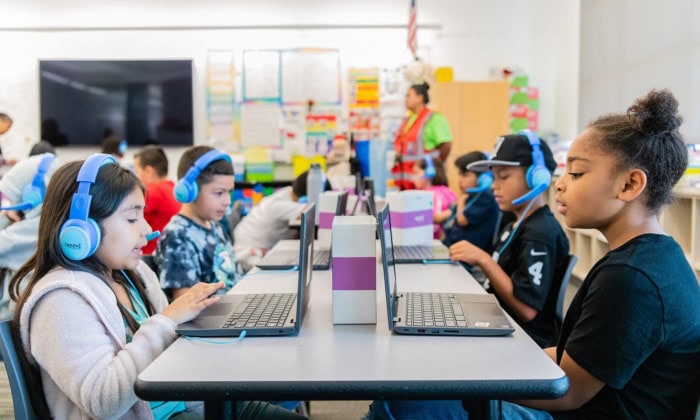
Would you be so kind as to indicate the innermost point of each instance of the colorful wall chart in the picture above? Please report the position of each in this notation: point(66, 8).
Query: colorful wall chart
point(222, 121)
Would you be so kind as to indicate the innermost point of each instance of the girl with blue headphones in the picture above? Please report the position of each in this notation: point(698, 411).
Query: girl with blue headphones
point(90, 314)
point(429, 174)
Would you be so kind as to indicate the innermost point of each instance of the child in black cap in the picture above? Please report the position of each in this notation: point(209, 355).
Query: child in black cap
point(474, 215)
point(530, 258)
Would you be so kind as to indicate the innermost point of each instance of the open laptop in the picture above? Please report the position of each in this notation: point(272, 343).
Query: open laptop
point(434, 253)
point(369, 195)
point(436, 313)
point(283, 258)
point(262, 314)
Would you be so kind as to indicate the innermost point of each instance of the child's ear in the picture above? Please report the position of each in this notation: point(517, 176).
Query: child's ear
point(635, 182)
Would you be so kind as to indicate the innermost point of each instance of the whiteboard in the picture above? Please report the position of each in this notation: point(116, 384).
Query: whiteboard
point(261, 124)
point(310, 75)
point(261, 75)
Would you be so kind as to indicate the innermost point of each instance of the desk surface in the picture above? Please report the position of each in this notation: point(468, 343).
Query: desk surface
point(348, 362)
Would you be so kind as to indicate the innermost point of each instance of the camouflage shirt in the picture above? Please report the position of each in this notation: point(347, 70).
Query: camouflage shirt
point(188, 253)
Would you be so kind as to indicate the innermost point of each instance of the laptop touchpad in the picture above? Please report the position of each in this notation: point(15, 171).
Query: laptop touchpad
point(217, 310)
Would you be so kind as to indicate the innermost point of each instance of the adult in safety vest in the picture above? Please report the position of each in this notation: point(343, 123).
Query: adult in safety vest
point(424, 132)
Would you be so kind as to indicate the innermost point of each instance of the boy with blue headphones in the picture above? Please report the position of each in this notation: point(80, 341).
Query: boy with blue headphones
point(195, 247)
point(529, 261)
point(475, 214)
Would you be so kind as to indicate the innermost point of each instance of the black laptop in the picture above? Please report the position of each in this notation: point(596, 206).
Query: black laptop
point(283, 258)
point(262, 314)
point(428, 313)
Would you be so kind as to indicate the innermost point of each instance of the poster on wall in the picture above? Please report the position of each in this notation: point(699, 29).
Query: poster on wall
point(363, 88)
point(320, 131)
point(261, 75)
point(261, 124)
point(221, 98)
point(310, 75)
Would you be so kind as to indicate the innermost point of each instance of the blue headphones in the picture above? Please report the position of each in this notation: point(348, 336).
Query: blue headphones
point(123, 145)
point(186, 189)
point(429, 167)
point(80, 236)
point(484, 181)
point(33, 194)
point(537, 176)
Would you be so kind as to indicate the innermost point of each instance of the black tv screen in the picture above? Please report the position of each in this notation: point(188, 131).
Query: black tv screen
point(144, 102)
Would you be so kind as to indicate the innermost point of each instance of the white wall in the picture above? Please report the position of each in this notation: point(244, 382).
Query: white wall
point(472, 36)
point(629, 47)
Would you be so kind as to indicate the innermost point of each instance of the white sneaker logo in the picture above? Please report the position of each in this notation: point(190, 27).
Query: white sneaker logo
point(537, 254)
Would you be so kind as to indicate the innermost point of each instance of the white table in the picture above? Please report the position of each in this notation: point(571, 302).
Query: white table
point(353, 362)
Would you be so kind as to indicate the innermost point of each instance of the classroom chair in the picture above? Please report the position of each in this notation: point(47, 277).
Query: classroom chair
point(21, 400)
point(564, 285)
point(151, 262)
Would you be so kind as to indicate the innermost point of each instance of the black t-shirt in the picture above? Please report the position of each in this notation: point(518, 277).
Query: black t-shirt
point(481, 211)
point(635, 325)
point(536, 259)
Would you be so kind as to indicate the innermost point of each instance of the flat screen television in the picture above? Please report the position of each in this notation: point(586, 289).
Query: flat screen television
point(144, 102)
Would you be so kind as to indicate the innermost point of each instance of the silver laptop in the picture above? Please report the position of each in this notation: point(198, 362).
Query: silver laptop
point(261, 314)
point(436, 313)
point(435, 253)
point(286, 259)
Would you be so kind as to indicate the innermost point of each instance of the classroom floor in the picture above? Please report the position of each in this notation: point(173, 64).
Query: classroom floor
point(320, 410)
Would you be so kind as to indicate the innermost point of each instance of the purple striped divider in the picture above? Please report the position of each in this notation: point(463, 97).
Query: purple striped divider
point(354, 273)
point(411, 219)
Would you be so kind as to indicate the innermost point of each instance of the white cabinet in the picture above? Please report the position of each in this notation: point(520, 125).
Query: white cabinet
point(679, 219)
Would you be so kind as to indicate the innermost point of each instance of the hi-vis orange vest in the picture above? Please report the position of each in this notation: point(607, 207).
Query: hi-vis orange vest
point(409, 145)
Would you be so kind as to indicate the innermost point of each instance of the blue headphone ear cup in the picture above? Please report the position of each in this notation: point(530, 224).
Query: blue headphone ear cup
point(32, 195)
point(79, 239)
point(537, 175)
point(485, 180)
point(483, 183)
point(185, 192)
point(429, 167)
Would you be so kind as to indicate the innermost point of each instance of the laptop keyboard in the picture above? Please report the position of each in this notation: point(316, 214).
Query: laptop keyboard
point(434, 310)
point(412, 252)
point(262, 310)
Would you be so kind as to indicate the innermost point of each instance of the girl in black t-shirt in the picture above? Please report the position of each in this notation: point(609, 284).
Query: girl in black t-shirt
point(630, 343)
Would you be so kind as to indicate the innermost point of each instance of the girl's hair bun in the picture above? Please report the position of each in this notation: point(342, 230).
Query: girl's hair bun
point(656, 113)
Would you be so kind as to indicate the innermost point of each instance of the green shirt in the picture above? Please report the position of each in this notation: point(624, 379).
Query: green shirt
point(435, 132)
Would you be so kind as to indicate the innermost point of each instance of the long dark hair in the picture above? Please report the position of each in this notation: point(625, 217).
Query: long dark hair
point(647, 137)
point(112, 185)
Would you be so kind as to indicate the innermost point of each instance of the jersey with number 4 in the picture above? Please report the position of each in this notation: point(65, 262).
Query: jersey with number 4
point(535, 259)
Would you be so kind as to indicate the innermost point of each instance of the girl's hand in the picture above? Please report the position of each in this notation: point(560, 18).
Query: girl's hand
point(467, 252)
point(190, 304)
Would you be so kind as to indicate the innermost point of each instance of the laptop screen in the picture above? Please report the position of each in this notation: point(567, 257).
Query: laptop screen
point(369, 194)
point(342, 206)
point(387, 249)
point(306, 255)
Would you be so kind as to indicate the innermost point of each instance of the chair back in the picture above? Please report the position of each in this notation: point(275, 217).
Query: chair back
point(18, 387)
point(564, 285)
point(151, 262)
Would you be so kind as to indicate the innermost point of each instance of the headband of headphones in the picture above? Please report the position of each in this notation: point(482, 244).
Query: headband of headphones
point(537, 176)
point(80, 236)
point(186, 189)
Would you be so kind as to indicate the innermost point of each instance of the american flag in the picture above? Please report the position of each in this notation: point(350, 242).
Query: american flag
point(412, 28)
